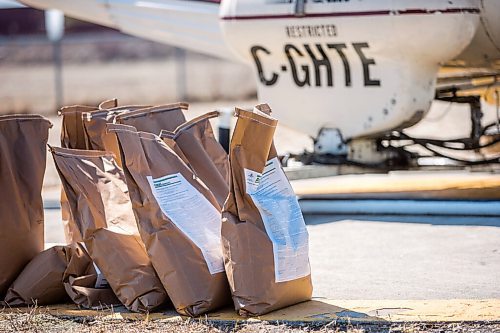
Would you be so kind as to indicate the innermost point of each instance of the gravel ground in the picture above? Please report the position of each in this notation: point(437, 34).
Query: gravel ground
point(38, 321)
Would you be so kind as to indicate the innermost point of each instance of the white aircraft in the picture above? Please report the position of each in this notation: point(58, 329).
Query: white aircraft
point(350, 73)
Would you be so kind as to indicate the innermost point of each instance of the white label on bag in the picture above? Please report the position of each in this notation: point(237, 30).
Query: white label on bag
point(283, 220)
point(100, 282)
point(252, 179)
point(193, 214)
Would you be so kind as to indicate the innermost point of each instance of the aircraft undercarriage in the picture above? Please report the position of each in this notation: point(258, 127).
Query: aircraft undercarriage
point(399, 150)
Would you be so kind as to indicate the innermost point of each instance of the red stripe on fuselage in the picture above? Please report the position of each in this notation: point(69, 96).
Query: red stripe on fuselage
point(361, 13)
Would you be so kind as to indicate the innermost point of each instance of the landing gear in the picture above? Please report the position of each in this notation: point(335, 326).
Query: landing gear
point(477, 149)
point(396, 150)
point(331, 149)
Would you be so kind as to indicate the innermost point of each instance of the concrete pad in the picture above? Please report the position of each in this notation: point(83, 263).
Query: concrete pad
point(404, 184)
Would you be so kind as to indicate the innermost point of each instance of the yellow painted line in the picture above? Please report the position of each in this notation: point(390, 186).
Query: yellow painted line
point(322, 310)
point(400, 183)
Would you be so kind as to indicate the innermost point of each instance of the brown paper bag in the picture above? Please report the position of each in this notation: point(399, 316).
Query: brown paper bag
point(266, 109)
point(40, 282)
point(108, 104)
point(94, 123)
point(23, 155)
point(75, 136)
point(98, 198)
point(72, 136)
point(88, 290)
point(263, 232)
point(155, 119)
point(82, 282)
point(179, 221)
point(72, 130)
point(56, 273)
point(195, 143)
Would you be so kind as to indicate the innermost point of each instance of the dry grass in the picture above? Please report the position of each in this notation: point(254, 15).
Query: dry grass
point(38, 319)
